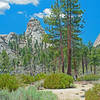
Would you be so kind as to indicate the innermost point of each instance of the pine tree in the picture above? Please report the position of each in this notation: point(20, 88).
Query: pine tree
point(5, 62)
point(55, 29)
point(90, 46)
point(73, 17)
point(65, 18)
point(94, 59)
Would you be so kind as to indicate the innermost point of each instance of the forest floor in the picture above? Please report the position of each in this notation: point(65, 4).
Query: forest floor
point(77, 93)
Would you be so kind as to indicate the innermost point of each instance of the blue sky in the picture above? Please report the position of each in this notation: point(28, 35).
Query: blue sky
point(15, 14)
point(92, 17)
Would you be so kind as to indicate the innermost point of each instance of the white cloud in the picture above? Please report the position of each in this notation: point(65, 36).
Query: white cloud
point(5, 4)
point(20, 12)
point(21, 2)
point(40, 15)
point(46, 12)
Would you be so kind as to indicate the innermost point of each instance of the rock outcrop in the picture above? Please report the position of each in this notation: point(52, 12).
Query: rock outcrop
point(11, 37)
point(13, 43)
point(97, 41)
point(3, 44)
point(34, 30)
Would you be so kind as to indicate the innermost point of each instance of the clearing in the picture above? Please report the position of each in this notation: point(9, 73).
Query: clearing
point(77, 93)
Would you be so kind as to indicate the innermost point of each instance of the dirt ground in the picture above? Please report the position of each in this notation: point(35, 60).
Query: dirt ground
point(77, 93)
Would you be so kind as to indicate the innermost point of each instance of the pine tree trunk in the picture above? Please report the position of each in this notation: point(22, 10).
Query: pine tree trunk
point(54, 70)
point(45, 70)
point(75, 69)
point(59, 64)
point(82, 65)
point(94, 69)
point(61, 44)
point(49, 69)
point(91, 68)
point(86, 65)
point(42, 68)
point(69, 37)
point(62, 55)
point(56, 63)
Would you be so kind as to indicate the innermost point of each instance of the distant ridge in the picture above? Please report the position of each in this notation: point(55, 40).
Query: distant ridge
point(3, 34)
point(97, 41)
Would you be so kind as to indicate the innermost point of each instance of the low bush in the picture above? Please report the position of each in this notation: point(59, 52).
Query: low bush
point(93, 94)
point(58, 81)
point(26, 79)
point(90, 77)
point(8, 82)
point(27, 94)
point(40, 76)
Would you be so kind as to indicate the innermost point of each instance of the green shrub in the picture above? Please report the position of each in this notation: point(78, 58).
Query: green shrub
point(40, 76)
point(27, 94)
point(90, 77)
point(8, 82)
point(93, 94)
point(58, 81)
point(26, 79)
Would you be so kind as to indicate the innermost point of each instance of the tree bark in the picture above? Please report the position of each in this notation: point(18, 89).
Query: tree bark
point(86, 65)
point(59, 64)
point(62, 55)
point(54, 70)
point(69, 36)
point(94, 69)
point(61, 42)
point(82, 65)
point(49, 69)
point(75, 69)
point(61, 49)
point(91, 68)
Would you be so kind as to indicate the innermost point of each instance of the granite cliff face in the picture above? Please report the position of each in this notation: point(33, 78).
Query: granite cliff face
point(34, 31)
point(97, 41)
point(4, 40)
point(11, 37)
point(3, 43)
point(13, 43)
